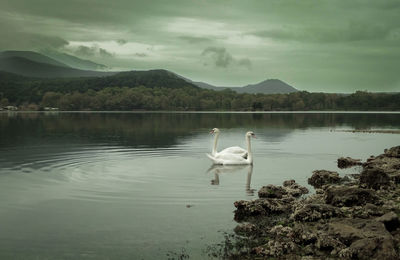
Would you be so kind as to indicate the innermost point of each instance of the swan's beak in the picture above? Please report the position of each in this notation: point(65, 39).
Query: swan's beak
point(254, 136)
point(212, 131)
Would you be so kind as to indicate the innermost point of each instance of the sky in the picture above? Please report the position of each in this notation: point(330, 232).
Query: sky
point(313, 45)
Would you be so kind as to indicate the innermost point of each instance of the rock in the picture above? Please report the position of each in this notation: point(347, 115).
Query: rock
point(393, 152)
point(272, 191)
point(345, 232)
point(350, 196)
point(373, 248)
point(322, 177)
point(390, 220)
point(288, 183)
point(374, 178)
point(314, 212)
point(346, 162)
point(294, 189)
point(366, 239)
point(246, 228)
point(262, 207)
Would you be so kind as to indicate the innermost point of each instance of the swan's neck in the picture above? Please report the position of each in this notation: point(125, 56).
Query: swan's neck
point(214, 150)
point(249, 154)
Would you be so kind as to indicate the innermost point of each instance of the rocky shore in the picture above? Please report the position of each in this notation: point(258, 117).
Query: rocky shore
point(350, 217)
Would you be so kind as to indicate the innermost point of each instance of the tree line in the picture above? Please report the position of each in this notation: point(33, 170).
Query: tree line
point(191, 99)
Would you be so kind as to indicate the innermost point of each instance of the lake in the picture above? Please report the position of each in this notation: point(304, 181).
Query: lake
point(139, 185)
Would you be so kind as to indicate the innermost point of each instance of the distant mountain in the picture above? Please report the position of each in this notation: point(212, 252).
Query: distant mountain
point(73, 61)
point(33, 56)
point(269, 86)
point(33, 68)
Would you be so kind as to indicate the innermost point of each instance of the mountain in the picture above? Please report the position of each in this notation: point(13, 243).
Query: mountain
point(269, 86)
point(33, 56)
point(73, 61)
point(19, 88)
point(33, 68)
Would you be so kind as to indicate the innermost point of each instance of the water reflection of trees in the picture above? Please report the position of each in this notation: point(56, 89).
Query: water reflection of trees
point(164, 129)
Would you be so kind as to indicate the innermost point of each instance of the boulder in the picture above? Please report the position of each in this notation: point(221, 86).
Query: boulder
point(349, 196)
point(393, 152)
point(323, 177)
point(272, 191)
point(294, 189)
point(374, 178)
point(390, 220)
point(346, 162)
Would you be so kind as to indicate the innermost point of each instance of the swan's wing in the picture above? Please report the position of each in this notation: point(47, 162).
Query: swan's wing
point(235, 150)
point(214, 159)
point(229, 159)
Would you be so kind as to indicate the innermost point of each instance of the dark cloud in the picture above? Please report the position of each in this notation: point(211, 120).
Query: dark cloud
point(193, 39)
point(219, 55)
point(245, 62)
point(104, 53)
point(354, 31)
point(121, 41)
point(14, 38)
point(223, 59)
point(140, 54)
point(85, 51)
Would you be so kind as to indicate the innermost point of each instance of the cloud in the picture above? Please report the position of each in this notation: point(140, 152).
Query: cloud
point(104, 53)
point(92, 51)
point(194, 39)
point(223, 59)
point(219, 55)
point(140, 54)
point(121, 41)
point(14, 38)
point(245, 62)
point(353, 31)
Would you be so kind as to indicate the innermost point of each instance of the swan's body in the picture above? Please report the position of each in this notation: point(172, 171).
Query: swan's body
point(232, 158)
point(230, 150)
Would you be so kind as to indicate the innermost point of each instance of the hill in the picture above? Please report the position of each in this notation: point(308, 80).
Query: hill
point(19, 88)
point(74, 62)
point(269, 86)
point(32, 68)
point(33, 56)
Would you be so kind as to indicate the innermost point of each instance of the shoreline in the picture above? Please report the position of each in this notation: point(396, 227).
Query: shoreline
point(350, 217)
point(202, 112)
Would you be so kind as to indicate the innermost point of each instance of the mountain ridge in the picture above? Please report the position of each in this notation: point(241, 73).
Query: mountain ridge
point(39, 65)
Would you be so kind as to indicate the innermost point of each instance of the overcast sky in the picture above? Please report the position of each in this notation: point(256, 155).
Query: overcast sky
point(319, 45)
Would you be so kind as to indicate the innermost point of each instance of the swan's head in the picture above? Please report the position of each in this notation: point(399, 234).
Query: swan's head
point(250, 134)
point(214, 131)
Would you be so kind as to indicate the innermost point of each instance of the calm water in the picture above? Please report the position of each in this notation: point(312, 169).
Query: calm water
point(117, 185)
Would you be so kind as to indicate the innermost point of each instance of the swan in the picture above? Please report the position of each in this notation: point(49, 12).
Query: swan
point(230, 150)
point(234, 159)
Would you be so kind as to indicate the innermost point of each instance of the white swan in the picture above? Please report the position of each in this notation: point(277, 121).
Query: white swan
point(234, 159)
point(230, 150)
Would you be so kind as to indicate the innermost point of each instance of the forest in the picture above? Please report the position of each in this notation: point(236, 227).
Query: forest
point(160, 90)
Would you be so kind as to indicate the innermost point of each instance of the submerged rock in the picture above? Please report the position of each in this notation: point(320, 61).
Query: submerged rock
point(346, 162)
point(323, 177)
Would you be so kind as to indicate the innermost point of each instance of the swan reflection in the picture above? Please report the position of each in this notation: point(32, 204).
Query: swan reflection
point(224, 169)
